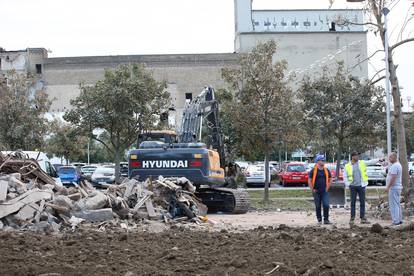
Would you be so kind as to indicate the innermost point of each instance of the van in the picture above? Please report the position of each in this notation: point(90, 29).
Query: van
point(43, 161)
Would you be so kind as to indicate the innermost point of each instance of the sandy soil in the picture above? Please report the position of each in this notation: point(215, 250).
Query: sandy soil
point(339, 218)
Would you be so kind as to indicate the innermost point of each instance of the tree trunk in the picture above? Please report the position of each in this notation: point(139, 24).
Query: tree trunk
point(338, 160)
point(401, 141)
point(399, 119)
point(117, 161)
point(267, 180)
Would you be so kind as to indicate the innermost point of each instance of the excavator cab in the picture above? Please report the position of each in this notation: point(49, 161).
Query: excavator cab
point(163, 136)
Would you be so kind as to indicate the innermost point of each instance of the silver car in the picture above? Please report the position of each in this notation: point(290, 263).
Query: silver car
point(376, 174)
point(103, 175)
point(255, 174)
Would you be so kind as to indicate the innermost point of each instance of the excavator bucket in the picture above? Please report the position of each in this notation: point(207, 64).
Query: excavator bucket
point(337, 194)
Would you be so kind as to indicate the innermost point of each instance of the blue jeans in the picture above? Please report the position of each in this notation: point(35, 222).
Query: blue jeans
point(321, 199)
point(395, 207)
point(360, 191)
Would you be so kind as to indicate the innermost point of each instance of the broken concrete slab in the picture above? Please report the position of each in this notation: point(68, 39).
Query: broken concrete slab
point(14, 205)
point(27, 212)
point(47, 187)
point(95, 215)
point(59, 209)
point(96, 202)
point(63, 201)
point(41, 227)
point(4, 186)
point(156, 227)
point(17, 184)
point(11, 195)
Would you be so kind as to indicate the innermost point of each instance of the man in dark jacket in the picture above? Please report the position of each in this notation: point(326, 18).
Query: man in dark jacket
point(319, 181)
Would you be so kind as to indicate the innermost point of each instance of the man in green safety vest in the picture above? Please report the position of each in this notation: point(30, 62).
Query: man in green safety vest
point(356, 178)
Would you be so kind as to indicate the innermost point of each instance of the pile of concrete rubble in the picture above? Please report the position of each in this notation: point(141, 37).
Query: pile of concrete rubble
point(30, 199)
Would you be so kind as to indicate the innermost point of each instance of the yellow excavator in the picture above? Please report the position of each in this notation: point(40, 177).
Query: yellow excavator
point(183, 154)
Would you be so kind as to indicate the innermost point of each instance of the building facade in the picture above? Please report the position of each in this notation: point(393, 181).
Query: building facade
point(28, 61)
point(186, 75)
point(307, 40)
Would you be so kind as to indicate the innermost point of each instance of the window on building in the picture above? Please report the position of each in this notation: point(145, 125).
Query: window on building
point(38, 68)
point(188, 97)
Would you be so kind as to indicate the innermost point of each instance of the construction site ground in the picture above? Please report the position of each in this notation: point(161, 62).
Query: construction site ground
point(257, 243)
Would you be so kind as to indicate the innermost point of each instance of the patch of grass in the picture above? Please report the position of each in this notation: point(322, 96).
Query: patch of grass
point(286, 193)
point(281, 193)
point(274, 204)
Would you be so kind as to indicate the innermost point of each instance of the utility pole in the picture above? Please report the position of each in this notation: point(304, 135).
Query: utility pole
point(88, 151)
point(385, 12)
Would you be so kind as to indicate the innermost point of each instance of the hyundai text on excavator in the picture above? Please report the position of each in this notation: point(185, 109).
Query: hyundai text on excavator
point(168, 154)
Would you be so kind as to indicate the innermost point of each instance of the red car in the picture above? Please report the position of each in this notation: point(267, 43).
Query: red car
point(332, 168)
point(293, 173)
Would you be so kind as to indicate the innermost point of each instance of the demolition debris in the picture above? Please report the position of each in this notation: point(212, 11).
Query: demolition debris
point(31, 199)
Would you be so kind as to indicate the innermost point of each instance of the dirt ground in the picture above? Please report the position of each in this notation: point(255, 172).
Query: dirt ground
point(253, 219)
point(287, 250)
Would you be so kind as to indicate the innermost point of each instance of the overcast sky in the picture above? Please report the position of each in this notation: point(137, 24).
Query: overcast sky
point(120, 27)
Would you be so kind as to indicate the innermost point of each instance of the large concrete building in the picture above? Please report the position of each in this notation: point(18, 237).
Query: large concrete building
point(186, 75)
point(307, 39)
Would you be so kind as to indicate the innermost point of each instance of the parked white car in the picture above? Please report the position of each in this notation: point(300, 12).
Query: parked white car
point(310, 166)
point(376, 174)
point(255, 174)
point(103, 175)
point(242, 164)
point(411, 168)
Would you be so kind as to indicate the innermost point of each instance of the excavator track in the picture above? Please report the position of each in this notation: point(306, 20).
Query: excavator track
point(227, 200)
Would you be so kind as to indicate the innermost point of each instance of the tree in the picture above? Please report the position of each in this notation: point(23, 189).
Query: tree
point(376, 8)
point(22, 121)
point(340, 106)
point(230, 138)
point(66, 142)
point(263, 109)
point(126, 102)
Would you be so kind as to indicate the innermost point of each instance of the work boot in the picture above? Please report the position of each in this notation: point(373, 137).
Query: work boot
point(365, 221)
point(319, 222)
point(352, 222)
point(327, 222)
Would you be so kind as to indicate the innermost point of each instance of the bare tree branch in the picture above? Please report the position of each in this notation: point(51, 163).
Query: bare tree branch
point(346, 22)
point(401, 43)
point(377, 80)
point(103, 143)
point(376, 74)
point(377, 51)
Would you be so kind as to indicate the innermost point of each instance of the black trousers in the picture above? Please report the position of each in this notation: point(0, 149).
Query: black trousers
point(321, 198)
point(360, 191)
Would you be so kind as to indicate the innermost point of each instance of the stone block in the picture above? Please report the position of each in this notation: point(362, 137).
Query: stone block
point(95, 215)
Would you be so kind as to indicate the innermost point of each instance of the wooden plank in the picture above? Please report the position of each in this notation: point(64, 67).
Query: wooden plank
point(141, 202)
point(40, 210)
point(4, 185)
point(129, 188)
point(150, 208)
